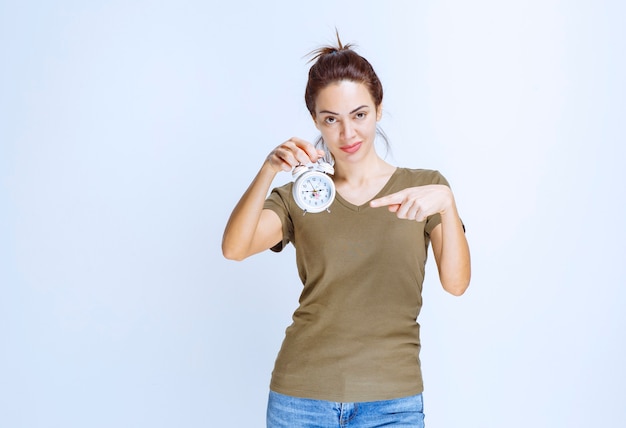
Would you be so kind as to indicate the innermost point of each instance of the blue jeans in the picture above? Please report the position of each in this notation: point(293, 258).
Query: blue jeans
point(284, 411)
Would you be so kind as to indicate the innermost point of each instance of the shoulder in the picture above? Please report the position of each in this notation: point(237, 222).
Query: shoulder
point(421, 177)
point(283, 189)
point(280, 199)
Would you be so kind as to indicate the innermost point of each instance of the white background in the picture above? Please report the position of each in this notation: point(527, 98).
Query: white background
point(129, 129)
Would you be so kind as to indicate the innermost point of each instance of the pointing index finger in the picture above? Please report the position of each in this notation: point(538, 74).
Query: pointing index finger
point(393, 199)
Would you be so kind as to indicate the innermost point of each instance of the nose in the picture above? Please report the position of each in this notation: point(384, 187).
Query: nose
point(347, 131)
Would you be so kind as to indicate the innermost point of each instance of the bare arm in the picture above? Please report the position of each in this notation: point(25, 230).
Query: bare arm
point(451, 252)
point(250, 228)
point(450, 246)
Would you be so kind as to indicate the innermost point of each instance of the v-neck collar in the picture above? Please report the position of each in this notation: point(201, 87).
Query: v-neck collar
point(382, 192)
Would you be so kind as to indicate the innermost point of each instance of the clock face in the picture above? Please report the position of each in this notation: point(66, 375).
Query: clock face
point(314, 191)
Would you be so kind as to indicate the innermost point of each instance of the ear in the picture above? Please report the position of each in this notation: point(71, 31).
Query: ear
point(379, 112)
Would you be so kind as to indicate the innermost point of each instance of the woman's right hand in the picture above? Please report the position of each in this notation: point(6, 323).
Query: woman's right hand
point(292, 153)
point(250, 228)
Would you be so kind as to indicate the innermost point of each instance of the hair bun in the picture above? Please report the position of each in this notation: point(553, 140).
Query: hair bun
point(337, 63)
point(329, 50)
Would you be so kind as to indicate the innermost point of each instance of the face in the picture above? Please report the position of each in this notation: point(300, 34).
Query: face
point(346, 116)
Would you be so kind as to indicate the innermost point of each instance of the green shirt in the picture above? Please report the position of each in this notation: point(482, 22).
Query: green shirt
point(355, 335)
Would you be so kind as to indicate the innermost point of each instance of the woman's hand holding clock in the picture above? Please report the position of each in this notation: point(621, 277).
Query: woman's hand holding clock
point(292, 153)
point(250, 228)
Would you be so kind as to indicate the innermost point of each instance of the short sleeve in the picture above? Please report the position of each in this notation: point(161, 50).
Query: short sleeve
point(435, 219)
point(278, 201)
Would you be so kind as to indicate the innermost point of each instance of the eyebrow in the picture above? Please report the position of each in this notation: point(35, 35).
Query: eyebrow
point(337, 114)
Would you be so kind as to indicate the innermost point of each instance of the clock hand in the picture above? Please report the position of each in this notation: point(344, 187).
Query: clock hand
point(314, 191)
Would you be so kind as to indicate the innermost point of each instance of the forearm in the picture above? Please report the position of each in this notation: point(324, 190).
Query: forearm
point(243, 222)
point(454, 256)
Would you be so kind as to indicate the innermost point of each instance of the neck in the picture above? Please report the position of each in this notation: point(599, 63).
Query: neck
point(355, 174)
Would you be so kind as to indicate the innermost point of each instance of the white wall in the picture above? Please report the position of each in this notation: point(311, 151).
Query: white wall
point(129, 129)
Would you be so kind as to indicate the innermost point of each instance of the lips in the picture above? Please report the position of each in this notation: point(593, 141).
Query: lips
point(351, 148)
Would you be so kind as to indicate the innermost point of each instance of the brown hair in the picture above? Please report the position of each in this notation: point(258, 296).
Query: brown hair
point(336, 63)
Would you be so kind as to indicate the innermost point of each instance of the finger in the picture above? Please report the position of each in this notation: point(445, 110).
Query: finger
point(308, 151)
point(279, 165)
point(404, 210)
point(413, 210)
point(393, 199)
point(285, 166)
point(282, 164)
point(286, 157)
point(393, 208)
point(291, 154)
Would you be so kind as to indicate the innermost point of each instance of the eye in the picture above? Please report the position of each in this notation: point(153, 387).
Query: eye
point(330, 120)
point(361, 115)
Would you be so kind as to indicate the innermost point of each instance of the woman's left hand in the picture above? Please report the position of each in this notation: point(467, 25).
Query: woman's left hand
point(450, 248)
point(417, 203)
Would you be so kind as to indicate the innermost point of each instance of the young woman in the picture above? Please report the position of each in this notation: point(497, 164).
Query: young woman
point(351, 355)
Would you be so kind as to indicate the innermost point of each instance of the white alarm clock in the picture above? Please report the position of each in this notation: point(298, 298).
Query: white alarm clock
point(313, 188)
